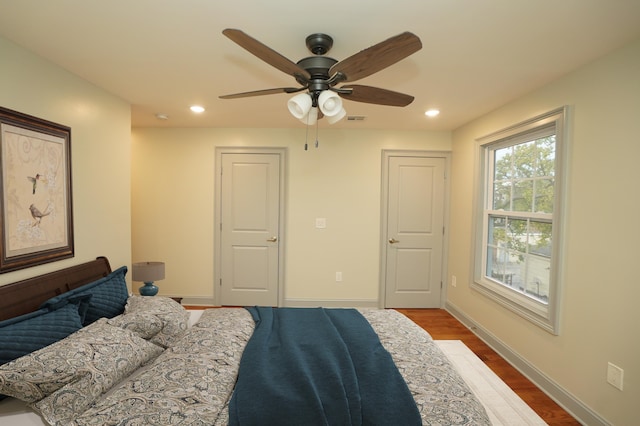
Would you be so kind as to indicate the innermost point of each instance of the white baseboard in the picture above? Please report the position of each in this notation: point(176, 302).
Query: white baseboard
point(343, 303)
point(562, 397)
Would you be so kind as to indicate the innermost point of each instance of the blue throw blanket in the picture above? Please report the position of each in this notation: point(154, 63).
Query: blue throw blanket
point(318, 367)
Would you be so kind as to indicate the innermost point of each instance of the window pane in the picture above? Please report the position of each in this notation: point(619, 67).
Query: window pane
point(496, 247)
point(544, 196)
point(524, 160)
point(523, 196)
point(502, 163)
point(502, 196)
point(517, 234)
point(537, 280)
point(539, 241)
point(546, 154)
point(497, 232)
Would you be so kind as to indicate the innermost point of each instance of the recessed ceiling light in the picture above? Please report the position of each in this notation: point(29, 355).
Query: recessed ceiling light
point(432, 112)
point(197, 109)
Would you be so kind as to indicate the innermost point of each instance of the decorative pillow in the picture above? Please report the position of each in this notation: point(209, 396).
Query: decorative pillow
point(27, 333)
point(143, 313)
point(96, 357)
point(109, 296)
point(82, 302)
point(116, 354)
point(145, 325)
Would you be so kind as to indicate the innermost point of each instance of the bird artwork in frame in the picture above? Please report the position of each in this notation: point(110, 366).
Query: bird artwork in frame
point(35, 181)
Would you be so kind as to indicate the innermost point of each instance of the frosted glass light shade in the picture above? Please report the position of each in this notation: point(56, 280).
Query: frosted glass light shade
point(299, 105)
point(311, 118)
point(339, 116)
point(330, 103)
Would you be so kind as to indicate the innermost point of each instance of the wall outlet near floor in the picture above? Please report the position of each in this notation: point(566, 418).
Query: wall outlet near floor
point(338, 277)
point(615, 375)
point(454, 281)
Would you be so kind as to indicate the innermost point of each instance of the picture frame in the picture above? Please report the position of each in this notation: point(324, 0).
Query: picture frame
point(36, 211)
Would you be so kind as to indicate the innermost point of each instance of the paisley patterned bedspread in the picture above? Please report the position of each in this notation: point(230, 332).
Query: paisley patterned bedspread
point(192, 380)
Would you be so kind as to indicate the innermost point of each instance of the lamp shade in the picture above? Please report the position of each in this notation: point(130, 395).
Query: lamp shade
point(299, 105)
point(148, 271)
point(330, 103)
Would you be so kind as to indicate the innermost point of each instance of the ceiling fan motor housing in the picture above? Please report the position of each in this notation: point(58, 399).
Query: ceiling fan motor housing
point(319, 43)
point(318, 67)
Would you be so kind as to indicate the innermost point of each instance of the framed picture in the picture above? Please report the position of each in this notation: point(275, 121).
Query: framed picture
point(35, 191)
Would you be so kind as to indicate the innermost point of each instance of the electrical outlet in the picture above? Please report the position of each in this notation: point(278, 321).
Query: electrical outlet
point(615, 375)
point(338, 277)
point(454, 281)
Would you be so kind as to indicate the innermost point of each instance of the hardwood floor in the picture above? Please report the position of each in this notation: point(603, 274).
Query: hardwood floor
point(441, 325)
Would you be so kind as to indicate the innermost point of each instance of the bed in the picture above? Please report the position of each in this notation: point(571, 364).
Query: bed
point(77, 349)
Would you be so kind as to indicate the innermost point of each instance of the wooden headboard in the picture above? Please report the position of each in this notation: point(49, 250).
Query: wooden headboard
point(27, 295)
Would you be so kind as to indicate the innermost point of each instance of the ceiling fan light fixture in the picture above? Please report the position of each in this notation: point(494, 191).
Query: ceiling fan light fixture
point(299, 105)
point(330, 103)
point(337, 117)
point(310, 118)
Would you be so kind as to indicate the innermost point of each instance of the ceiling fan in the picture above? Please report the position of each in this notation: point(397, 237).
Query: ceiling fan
point(320, 75)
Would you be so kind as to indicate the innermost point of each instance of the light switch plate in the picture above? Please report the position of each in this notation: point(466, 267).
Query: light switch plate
point(321, 222)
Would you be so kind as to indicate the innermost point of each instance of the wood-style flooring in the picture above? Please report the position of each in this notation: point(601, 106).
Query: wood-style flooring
point(441, 325)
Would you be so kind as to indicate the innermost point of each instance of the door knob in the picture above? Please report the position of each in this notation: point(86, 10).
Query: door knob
point(272, 239)
point(393, 241)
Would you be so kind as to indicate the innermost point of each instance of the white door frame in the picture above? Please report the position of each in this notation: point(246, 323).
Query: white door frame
point(386, 154)
point(282, 152)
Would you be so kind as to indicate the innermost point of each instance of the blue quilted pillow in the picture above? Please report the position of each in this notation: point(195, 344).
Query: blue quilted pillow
point(27, 333)
point(108, 296)
point(82, 301)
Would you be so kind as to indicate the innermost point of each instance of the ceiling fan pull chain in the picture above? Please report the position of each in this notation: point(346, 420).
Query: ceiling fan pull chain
point(317, 143)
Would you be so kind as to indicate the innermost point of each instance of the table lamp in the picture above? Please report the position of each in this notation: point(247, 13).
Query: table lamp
point(148, 272)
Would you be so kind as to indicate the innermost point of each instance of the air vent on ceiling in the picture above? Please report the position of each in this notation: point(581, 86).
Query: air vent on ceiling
point(356, 118)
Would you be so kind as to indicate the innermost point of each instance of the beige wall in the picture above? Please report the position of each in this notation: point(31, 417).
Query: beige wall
point(600, 317)
point(100, 152)
point(173, 205)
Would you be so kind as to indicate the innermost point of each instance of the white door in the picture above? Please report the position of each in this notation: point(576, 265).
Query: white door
point(413, 244)
point(250, 195)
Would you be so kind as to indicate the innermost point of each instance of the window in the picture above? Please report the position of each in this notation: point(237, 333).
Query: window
point(518, 227)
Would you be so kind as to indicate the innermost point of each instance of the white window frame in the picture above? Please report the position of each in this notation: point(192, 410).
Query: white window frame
point(544, 315)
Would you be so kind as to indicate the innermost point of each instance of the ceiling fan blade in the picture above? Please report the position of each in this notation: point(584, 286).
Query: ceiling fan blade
point(263, 92)
point(267, 54)
point(374, 95)
point(377, 57)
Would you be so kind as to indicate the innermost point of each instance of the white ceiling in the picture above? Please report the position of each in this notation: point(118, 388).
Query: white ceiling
point(162, 56)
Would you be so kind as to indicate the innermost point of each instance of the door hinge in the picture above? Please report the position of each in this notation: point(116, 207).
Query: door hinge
point(440, 285)
point(221, 282)
point(443, 230)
